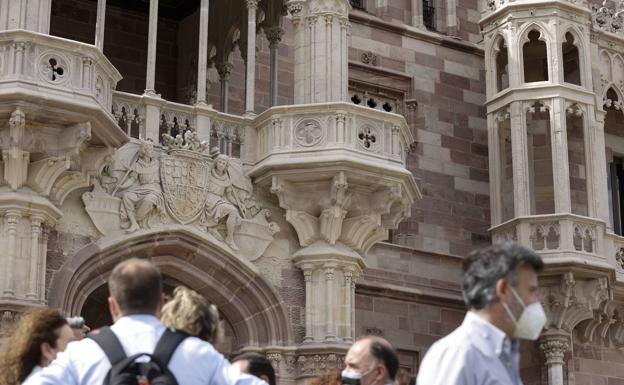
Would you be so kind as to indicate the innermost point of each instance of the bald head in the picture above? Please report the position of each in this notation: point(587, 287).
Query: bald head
point(136, 286)
point(373, 357)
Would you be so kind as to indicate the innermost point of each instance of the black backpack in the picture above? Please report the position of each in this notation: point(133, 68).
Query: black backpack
point(126, 371)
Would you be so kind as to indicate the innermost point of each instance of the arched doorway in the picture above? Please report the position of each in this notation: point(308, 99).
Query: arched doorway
point(253, 309)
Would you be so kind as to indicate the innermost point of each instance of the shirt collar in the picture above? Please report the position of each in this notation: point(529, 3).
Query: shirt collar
point(133, 319)
point(488, 338)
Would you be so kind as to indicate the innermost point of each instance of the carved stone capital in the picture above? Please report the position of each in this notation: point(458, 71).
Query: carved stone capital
point(224, 70)
point(554, 346)
point(274, 36)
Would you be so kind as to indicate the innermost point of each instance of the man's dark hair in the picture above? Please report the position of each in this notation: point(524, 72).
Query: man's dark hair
point(484, 267)
point(136, 285)
point(384, 352)
point(258, 365)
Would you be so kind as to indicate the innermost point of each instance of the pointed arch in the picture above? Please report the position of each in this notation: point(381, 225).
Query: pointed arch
point(574, 58)
point(251, 305)
point(534, 49)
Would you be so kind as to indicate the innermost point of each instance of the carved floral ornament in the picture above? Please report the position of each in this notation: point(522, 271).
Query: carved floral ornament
point(610, 16)
point(140, 189)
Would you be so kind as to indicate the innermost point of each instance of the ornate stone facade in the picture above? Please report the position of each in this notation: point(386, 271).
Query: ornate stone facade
point(318, 168)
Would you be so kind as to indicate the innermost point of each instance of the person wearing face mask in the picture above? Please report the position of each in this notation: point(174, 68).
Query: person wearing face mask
point(371, 360)
point(500, 288)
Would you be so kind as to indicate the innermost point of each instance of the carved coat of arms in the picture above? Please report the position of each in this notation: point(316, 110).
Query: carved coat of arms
point(142, 188)
point(184, 177)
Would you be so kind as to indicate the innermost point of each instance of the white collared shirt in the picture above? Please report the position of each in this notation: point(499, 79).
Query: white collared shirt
point(194, 362)
point(476, 353)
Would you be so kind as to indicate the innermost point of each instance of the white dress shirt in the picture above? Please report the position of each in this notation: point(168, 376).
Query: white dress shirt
point(476, 353)
point(195, 362)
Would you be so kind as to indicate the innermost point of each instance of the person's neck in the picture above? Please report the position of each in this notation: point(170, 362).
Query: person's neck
point(495, 318)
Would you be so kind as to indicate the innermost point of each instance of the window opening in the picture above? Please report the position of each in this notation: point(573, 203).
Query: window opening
point(535, 59)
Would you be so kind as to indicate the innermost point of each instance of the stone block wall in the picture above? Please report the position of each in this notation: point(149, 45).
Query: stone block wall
point(450, 159)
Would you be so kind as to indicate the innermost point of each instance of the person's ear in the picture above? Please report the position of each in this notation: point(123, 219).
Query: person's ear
point(113, 307)
point(161, 303)
point(264, 378)
point(502, 289)
point(48, 354)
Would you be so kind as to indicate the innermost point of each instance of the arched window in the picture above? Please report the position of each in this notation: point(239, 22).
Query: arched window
point(571, 63)
point(502, 61)
point(535, 58)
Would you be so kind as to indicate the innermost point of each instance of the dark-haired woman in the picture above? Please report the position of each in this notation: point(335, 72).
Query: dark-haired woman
point(38, 337)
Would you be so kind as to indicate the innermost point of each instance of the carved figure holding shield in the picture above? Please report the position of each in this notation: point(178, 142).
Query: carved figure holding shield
point(144, 195)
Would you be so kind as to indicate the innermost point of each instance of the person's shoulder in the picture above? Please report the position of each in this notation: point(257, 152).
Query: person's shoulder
point(457, 344)
point(198, 346)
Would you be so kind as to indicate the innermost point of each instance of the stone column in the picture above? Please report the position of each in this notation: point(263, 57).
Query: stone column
point(554, 344)
point(250, 87)
point(224, 70)
point(202, 61)
point(495, 163)
point(152, 40)
point(25, 14)
point(35, 248)
point(417, 14)
point(561, 167)
point(11, 220)
point(522, 196)
point(321, 50)
point(274, 35)
point(99, 24)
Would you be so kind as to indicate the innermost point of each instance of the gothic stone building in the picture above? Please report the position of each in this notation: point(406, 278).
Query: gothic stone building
point(319, 168)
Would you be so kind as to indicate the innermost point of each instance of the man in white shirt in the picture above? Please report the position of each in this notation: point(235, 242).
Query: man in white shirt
point(500, 288)
point(371, 360)
point(136, 299)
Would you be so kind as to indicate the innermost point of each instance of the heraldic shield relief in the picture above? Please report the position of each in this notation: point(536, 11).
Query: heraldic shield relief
point(147, 188)
point(184, 176)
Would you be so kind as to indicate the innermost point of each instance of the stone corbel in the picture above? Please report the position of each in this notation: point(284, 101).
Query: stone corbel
point(92, 162)
point(331, 218)
point(14, 158)
point(73, 141)
point(574, 301)
point(358, 230)
point(305, 225)
point(43, 173)
point(598, 326)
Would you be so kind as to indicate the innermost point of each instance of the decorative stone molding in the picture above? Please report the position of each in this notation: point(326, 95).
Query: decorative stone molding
point(609, 17)
point(318, 364)
point(369, 58)
point(571, 302)
point(554, 349)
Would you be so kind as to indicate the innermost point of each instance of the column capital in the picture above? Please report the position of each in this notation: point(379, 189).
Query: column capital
point(251, 4)
point(554, 344)
point(274, 36)
point(224, 70)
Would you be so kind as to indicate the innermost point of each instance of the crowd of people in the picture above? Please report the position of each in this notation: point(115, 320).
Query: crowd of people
point(153, 342)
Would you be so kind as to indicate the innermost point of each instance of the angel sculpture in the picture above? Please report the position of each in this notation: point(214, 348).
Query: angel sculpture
point(229, 198)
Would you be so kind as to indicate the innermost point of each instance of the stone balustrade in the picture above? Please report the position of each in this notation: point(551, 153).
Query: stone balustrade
point(55, 68)
point(559, 238)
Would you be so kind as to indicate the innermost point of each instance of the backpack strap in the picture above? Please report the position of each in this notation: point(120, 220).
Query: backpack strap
point(167, 345)
point(108, 341)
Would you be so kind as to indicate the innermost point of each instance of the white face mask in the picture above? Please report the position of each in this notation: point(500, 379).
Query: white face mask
point(531, 321)
point(355, 378)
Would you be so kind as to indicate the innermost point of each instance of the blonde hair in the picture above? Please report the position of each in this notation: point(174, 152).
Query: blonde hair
point(191, 312)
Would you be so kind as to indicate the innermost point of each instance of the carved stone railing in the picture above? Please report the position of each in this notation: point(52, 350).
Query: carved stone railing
point(129, 113)
point(327, 130)
point(558, 237)
point(61, 73)
point(143, 116)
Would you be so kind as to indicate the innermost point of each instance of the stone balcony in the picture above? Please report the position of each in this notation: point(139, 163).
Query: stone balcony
point(59, 82)
point(564, 239)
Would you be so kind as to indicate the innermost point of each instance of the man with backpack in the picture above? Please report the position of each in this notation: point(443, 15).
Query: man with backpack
point(138, 349)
